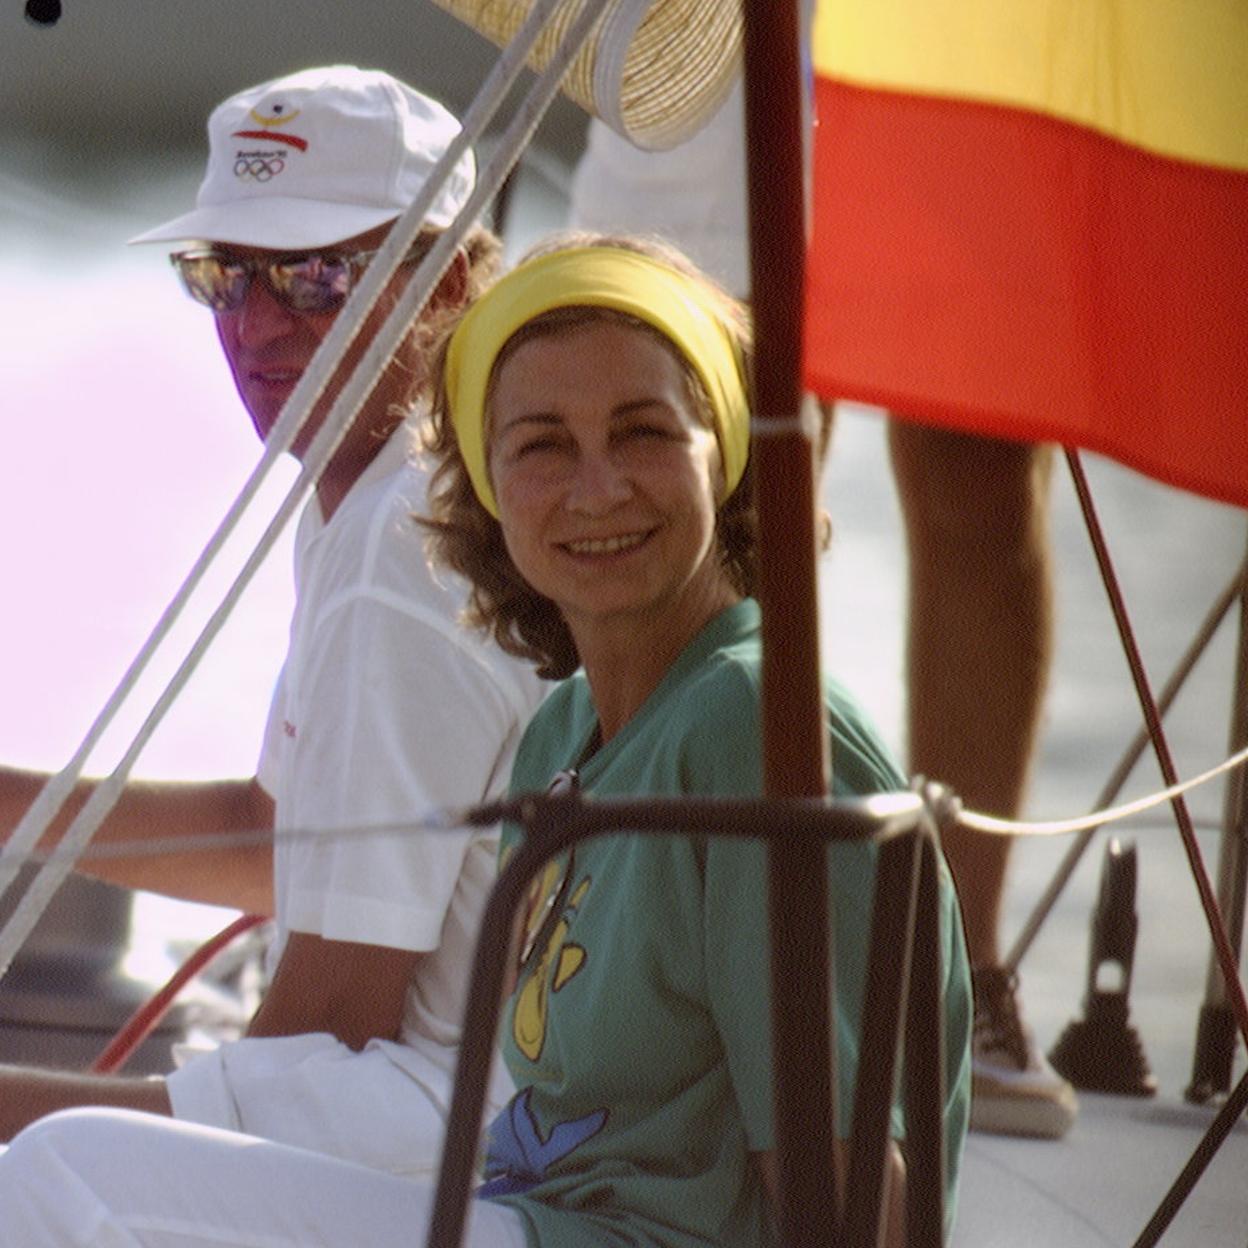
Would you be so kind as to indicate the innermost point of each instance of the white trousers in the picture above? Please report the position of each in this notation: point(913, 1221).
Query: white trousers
point(101, 1178)
point(385, 1106)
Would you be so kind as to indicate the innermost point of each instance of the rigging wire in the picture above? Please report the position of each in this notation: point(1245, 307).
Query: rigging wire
point(1226, 957)
point(1118, 777)
point(452, 819)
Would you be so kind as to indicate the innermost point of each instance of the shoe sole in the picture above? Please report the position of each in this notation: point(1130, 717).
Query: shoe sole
point(1003, 1109)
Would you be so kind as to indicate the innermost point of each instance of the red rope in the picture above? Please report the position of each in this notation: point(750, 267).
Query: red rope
point(140, 1024)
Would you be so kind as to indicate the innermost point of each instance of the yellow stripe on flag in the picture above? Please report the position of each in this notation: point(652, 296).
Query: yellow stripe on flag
point(1168, 76)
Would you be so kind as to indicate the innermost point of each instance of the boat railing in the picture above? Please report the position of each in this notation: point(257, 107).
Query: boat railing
point(901, 1012)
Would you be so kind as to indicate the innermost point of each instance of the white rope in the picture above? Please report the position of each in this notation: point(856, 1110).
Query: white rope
point(804, 421)
point(1112, 814)
point(294, 414)
point(447, 819)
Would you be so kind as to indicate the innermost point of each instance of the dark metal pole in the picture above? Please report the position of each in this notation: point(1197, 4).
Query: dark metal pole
point(924, 1073)
point(1232, 1109)
point(1216, 1036)
point(793, 731)
point(883, 1004)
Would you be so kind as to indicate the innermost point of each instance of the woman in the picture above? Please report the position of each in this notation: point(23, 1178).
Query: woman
point(593, 488)
point(592, 428)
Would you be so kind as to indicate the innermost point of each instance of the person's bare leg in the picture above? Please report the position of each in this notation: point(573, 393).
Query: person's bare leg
point(978, 655)
point(979, 637)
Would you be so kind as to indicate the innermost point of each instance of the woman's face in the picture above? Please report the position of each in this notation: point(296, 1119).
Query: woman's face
point(607, 480)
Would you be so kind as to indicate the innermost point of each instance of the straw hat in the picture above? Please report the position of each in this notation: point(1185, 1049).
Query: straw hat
point(654, 70)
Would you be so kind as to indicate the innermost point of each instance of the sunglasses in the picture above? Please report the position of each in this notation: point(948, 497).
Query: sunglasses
point(306, 282)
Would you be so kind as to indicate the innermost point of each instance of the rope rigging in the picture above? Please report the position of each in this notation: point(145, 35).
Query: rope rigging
point(448, 820)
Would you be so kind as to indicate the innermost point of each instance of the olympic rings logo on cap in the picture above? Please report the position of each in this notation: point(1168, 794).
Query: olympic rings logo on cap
point(258, 168)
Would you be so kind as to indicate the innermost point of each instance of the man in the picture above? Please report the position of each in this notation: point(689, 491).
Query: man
point(980, 610)
point(385, 707)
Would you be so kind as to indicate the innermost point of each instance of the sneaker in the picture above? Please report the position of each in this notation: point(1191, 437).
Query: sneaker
point(1014, 1090)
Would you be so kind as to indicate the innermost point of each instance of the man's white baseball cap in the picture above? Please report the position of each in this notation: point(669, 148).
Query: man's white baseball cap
point(318, 157)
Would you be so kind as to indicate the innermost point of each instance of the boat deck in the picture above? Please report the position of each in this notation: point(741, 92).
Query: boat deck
point(1100, 1186)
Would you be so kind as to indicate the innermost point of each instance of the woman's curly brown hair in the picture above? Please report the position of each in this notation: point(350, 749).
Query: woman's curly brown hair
point(466, 538)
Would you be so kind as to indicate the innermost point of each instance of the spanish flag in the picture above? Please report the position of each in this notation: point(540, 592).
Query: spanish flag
point(1030, 220)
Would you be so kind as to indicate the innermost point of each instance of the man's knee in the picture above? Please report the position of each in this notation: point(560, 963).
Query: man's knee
point(87, 1131)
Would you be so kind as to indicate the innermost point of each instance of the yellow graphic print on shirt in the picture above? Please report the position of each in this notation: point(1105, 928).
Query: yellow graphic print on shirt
point(558, 963)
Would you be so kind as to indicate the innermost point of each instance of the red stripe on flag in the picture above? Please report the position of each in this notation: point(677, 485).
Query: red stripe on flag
point(1005, 273)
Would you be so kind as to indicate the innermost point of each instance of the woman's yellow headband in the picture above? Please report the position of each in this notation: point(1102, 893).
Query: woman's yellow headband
point(601, 277)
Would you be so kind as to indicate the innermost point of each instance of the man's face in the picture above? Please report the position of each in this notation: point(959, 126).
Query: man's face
point(268, 345)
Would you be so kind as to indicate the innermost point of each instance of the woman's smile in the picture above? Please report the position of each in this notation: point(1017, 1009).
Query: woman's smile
point(594, 547)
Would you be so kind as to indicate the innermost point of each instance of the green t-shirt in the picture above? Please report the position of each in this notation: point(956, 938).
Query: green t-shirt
point(639, 1039)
